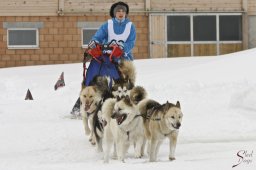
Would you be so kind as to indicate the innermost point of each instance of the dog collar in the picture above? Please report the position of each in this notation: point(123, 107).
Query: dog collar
point(156, 119)
point(89, 113)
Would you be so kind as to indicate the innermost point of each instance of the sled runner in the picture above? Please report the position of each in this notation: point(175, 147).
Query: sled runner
point(104, 63)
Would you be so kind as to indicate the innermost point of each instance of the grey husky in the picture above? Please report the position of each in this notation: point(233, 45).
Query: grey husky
point(160, 121)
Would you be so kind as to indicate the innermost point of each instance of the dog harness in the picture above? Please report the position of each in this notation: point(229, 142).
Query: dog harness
point(150, 113)
point(128, 132)
point(123, 36)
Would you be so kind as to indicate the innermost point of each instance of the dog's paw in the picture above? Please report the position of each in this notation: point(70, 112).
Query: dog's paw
point(114, 156)
point(99, 149)
point(138, 155)
point(92, 140)
point(152, 160)
point(142, 154)
point(93, 143)
point(171, 158)
point(121, 158)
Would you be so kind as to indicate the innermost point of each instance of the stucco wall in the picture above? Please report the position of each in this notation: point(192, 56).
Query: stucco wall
point(252, 31)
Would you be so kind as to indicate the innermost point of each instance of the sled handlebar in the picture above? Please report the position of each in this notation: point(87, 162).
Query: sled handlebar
point(113, 49)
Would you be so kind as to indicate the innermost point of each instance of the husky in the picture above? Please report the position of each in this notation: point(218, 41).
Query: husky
point(91, 97)
point(121, 88)
point(98, 127)
point(124, 126)
point(127, 70)
point(160, 121)
point(137, 94)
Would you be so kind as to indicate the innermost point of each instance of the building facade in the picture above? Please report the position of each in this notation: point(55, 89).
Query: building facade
point(35, 32)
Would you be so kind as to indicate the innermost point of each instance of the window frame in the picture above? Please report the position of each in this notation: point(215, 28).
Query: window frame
point(238, 28)
point(82, 34)
point(192, 42)
point(167, 29)
point(23, 46)
point(194, 24)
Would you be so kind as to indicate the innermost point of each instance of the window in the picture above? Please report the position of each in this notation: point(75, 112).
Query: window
point(88, 29)
point(88, 33)
point(231, 28)
point(22, 38)
point(204, 28)
point(178, 28)
point(202, 34)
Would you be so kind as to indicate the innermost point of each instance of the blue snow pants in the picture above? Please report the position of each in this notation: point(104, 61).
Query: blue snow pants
point(103, 68)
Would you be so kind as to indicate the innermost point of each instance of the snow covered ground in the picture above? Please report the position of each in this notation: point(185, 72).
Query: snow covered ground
point(217, 96)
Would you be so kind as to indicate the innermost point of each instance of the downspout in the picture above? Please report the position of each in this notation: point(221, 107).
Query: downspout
point(245, 29)
point(60, 7)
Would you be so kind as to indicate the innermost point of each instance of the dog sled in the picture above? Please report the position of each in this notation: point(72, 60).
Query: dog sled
point(105, 60)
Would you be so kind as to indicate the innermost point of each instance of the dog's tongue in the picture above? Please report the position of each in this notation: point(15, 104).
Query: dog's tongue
point(120, 119)
point(104, 123)
point(87, 107)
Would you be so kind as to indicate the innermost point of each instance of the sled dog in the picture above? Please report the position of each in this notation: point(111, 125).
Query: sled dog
point(137, 94)
point(91, 97)
point(121, 88)
point(124, 127)
point(98, 127)
point(127, 70)
point(160, 121)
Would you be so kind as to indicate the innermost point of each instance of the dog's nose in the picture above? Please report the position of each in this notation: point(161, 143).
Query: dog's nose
point(113, 115)
point(178, 125)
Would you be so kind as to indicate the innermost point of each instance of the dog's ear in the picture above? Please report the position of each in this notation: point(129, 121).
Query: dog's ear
point(130, 84)
point(178, 104)
point(113, 82)
point(94, 88)
point(108, 80)
point(127, 100)
point(83, 85)
point(118, 98)
point(165, 107)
